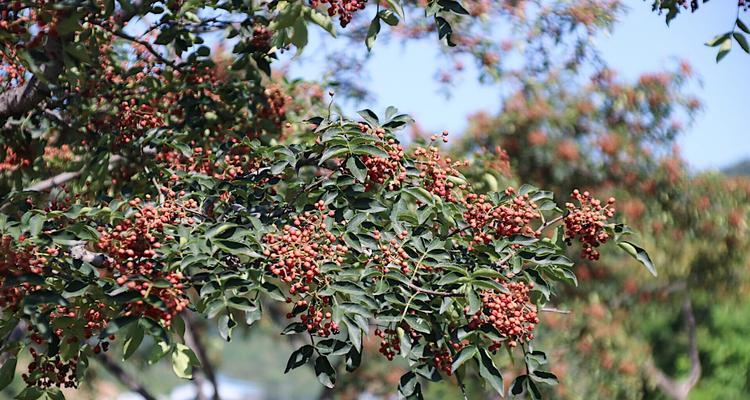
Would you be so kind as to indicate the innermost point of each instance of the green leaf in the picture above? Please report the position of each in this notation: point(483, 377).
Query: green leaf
point(7, 372)
point(30, 393)
point(183, 361)
point(408, 384)
point(639, 254)
point(370, 150)
point(740, 38)
point(544, 377)
point(35, 224)
point(389, 17)
point(159, 350)
point(325, 372)
point(464, 355)
point(444, 30)
point(357, 168)
point(724, 49)
point(453, 6)
point(299, 357)
point(490, 373)
point(133, 339)
point(719, 39)
point(323, 21)
point(418, 324)
point(372, 32)
point(474, 302)
point(742, 26)
point(332, 152)
point(299, 37)
point(397, 7)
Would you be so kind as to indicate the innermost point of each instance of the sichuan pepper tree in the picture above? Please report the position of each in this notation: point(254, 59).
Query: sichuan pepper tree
point(148, 181)
point(738, 29)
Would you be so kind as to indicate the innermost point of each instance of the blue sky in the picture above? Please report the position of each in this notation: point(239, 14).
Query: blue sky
point(404, 76)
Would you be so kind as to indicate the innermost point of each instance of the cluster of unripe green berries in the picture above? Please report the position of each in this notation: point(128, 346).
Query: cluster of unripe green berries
point(511, 313)
point(586, 221)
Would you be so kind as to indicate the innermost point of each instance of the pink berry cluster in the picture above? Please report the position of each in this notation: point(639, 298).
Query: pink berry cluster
point(132, 247)
point(435, 170)
point(511, 313)
point(392, 253)
point(382, 170)
point(317, 320)
point(586, 221)
point(488, 221)
point(344, 8)
point(298, 252)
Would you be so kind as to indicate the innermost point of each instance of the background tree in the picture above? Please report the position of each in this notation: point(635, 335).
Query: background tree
point(151, 182)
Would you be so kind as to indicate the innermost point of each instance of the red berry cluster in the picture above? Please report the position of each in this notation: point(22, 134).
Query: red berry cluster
point(261, 38)
point(382, 170)
point(390, 345)
point(12, 160)
point(298, 252)
point(511, 314)
point(14, 262)
point(488, 221)
point(12, 73)
point(317, 320)
point(393, 254)
point(344, 8)
point(133, 120)
point(132, 247)
point(45, 372)
point(435, 170)
point(274, 105)
point(586, 222)
point(442, 358)
point(94, 317)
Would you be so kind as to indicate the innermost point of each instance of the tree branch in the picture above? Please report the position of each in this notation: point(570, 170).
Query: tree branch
point(64, 177)
point(19, 100)
point(193, 340)
point(680, 389)
point(123, 376)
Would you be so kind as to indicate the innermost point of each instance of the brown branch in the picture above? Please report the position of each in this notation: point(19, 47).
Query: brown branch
point(549, 223)
point(193, 340)
point(64, 177)
point(19, 100)
point(148, 46)
point(554, 310)
point(680, 389)
point(123, 376)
